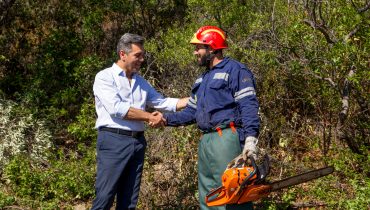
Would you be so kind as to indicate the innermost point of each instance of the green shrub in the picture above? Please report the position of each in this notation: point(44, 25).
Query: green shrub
point(6, 200)
point(57, 182)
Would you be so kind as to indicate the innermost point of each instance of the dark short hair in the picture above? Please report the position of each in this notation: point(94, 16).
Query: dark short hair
point(127, 40)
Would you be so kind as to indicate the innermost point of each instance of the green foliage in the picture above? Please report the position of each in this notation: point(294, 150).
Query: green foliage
point(84, 127)
point(300, 52)
point(91, 25)
point(354, 193)
point(57, 182)
point(84, 74)
point(361, 198)
point(170, 56)
point(6, 200)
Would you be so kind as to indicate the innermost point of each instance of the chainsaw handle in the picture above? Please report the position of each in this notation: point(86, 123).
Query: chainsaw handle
point(255, 166)
point(213, 192)
point(255, 170)
point(253, 161)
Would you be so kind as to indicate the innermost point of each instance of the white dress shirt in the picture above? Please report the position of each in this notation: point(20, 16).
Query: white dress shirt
point(114, 95)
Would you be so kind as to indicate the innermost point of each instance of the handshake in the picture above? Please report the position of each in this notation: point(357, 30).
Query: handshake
point(156, 120)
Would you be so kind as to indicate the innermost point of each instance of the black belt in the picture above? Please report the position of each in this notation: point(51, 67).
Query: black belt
point(134, 134)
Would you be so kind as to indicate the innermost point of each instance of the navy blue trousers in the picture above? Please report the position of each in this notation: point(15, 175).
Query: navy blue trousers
point(120, 161)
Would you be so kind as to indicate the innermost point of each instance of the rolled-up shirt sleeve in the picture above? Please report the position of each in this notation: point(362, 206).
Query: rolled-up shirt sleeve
point(157, 101)
point(107, 96)
point(186, 116)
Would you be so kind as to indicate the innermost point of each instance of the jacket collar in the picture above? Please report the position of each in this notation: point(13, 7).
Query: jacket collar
point(222, 63)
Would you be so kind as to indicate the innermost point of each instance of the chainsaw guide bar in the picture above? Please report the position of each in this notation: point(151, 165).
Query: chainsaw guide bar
point(301, 178)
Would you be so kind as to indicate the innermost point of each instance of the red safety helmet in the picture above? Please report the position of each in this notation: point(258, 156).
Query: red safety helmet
point(210, 35)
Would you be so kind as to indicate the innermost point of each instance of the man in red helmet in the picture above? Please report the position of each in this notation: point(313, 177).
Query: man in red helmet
point(224, 105)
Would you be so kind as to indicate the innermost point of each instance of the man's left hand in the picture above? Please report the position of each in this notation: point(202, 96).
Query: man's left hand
point(250, 150)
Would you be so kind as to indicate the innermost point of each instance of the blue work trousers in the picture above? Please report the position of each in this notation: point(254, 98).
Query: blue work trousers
point(120, 162)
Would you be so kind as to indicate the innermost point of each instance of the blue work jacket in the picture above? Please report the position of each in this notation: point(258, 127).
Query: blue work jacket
point(220, 95)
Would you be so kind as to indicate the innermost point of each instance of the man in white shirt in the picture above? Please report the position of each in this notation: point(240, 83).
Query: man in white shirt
point(121, 96)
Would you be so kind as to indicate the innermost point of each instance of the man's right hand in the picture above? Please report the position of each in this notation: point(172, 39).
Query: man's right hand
point(156, 120)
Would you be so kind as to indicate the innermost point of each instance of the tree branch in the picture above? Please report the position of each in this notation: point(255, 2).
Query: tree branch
point(313, 13)
point(363, 9)
point(352, 33)
point(345, 96)
point(329, 80)
point(308, 205)
point(322, 29)
point(320, 14)
point(313, 21)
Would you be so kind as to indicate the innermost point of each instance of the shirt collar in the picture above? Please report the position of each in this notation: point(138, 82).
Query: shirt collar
point(222, 63)
point(119, 71)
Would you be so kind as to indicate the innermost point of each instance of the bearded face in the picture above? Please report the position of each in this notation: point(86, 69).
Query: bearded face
point(203, 61)
point(202, 54)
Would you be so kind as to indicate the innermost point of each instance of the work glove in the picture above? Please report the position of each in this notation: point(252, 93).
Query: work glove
point(250, 150)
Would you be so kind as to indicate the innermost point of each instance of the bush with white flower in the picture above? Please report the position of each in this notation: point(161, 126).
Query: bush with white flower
point(21, 135)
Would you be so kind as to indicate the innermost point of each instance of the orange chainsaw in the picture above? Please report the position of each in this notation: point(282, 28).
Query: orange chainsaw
point(248, 183)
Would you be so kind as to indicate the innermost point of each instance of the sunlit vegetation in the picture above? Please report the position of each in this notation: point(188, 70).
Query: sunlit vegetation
point(311, 60)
